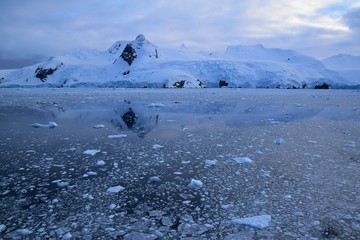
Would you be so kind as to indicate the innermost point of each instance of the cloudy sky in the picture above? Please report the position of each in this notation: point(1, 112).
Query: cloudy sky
point(32, 30)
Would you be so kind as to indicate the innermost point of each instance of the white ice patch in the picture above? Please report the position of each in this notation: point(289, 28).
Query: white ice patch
point(195, 184)
point(98, 126)
point(209, 163)
point(60, 183)
point(157, 146)
point(115, 189)
point(90, 174)
point(152, 105)
point(22, 232)
point(91, 152)
point(279, 141)
point(260, 221)
point(117, 136)
point(100, 163)
point(49, 125)
point(2, 228)
point(242, 160)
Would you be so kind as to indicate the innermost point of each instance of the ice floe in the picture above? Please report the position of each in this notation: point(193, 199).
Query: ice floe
point(260, 221)
point(157, 146)
point(209, 163)
point(195, 184)
point(156, 105)
point(117, 136)
point(98, 126)
point(279, 141)
point(91, 152)
point(90, 174)
point(115, 189)
point(100, 163)
point(49, 125)
point(242, 160)
point(2, 228)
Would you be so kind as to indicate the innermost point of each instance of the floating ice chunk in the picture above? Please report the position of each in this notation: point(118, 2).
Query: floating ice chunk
point(2, 228)
point(49, 125)
point(98, 126)
point(154, 179)
point(91, 152)
point(260, 221)
point(157, 146)
point(87, 196)
point(209, 163)
point(117, 136)
point(90, 174)
point(22, 232)
point(112, 206)
point(242, 160)
point(52, 124)
point(195, 184)
point(279, 141)
point(60, 183)
point(100, 163)
point(49, 158)
point(67, 236)
point(312, 141)
point(156, 105)
point(115, 189)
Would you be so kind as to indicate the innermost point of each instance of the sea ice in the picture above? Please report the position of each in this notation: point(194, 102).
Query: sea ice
point(260, 221)
point(117, 136)
point(2, 228)
point(157, 146)
point(195, 184)
point(242, 160)
point(100, 163)
point(67, 236)
point(115, 189)
point(98, 126)
point(60, 183)
point(156, 105)
point(209, 163)
point(90, 174)
point(279, 141)
point(49, 125)
point(21, 232)
point(91, 152)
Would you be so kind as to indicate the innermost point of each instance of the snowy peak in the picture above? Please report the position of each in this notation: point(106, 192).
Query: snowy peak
point(139, 63)
point(260, 53)
point(342, 61)
point(140, 48)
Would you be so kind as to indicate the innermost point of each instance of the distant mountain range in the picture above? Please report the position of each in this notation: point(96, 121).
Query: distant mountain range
point(139, 63)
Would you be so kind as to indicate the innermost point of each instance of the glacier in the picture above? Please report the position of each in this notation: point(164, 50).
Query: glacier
point(141, 64)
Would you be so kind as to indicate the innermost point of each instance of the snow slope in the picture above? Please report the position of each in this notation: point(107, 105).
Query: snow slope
point(139, 63)
point(347, 66)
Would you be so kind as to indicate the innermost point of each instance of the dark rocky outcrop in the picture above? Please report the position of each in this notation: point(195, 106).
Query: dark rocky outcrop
point(223, 83)
point(129, 54)
point(43, 73)
point(179, 84)
point(322, 86)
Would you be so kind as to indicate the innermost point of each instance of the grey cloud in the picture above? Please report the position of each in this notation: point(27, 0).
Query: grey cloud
point(352, 19)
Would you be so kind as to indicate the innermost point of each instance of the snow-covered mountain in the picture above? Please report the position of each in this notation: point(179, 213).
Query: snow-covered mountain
point(347, 66)
point(139, 63)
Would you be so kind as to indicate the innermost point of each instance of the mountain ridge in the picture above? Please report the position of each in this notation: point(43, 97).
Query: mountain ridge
point(139, 63)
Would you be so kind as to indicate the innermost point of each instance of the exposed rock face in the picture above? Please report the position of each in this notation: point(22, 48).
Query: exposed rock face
point(322, 86)
point(179, 84)
point(43, 73)
point(129, 54)
point(223, 83)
